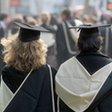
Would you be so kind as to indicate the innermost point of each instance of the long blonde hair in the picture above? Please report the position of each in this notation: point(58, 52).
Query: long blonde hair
point(24, 56)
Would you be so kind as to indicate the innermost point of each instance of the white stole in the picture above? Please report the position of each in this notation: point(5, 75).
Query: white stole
point(5, 95)
point(76, 87)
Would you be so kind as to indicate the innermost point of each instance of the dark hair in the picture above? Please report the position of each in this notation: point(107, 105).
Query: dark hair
point(3, 16)
point(66, 12)
point(92, 43)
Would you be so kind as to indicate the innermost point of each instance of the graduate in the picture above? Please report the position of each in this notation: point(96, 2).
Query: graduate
point(84, 82)
point(66, 39)
point(27, 81)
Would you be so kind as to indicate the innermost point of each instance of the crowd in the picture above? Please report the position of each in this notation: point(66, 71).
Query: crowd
point(60, 41)
point(53, 63)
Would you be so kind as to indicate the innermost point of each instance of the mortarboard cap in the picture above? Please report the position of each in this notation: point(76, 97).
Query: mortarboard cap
point(89, 30)
point(28, 33)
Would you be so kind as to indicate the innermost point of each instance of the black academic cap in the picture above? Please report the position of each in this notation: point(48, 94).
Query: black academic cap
point(28, 33)
point(89, 30)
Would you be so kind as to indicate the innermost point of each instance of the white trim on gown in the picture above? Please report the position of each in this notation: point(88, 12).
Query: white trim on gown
point(76, 87)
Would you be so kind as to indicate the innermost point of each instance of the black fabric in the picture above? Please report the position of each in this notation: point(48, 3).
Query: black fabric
point(107, 34)
point(88, 32)
point(35, 94)
point(2, 63)
point(49, 27)
point(93, 61)
point(2, 32)
point(12, 77)
point(26, 35)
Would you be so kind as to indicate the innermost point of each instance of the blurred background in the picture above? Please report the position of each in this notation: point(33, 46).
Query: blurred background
point(33, 7)
point(50, 12)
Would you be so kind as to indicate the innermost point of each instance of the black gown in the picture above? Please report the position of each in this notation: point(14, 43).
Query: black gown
point(93, 61)
point(2, 63)
point(35, 94)
point(63, 53)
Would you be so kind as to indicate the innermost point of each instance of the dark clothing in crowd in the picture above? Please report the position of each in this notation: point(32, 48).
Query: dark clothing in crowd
point(93, 61)
point(35, 94)
point(49, 27)
point(65, 44)
point(107, 34)
point(2, 32)
point(2, 63)
point(51, 54)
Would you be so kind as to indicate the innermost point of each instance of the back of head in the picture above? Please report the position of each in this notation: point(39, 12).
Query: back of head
point(24, 56)
point(90, 36)
point(31, 21)
point(90, 44)
point(66, 14)
point(89, 39)
point(45, 17)
point(25, 50)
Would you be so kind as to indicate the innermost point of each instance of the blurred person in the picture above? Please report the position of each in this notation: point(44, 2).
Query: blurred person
point(27, 81)
point(3, 25)
point(88, 19)
point(49, 38)
point(18, 16)
point(38, 19)
point(45, 18)
point(13, 29)
point(31, 21)
point(45, 21)
point(84, 82)
point(53, 21)
point(66, 39)
point(107, 18)
point(3, 33)
point(78, 11)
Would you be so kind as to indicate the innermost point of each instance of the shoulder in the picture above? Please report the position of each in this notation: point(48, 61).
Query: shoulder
point(46, 69)
point(10, 73)
point(91, 55)
point(67, 64)
point(6, 70)
point(10, 70)
point(69, 61)
point(106, 57)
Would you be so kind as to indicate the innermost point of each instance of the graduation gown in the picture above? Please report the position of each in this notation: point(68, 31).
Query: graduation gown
point(98, 97)
point(34, 95)
point(66, 46)
point(49, 39)
point(2, 32)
